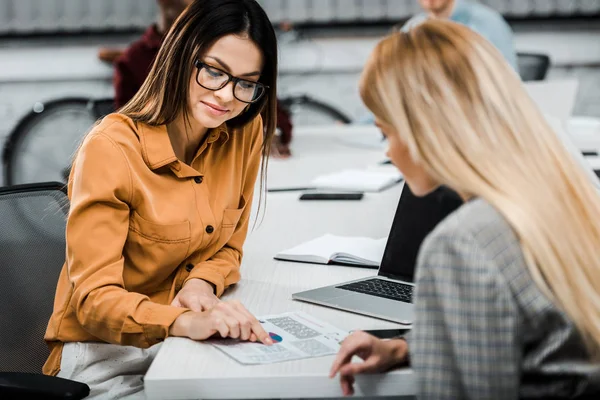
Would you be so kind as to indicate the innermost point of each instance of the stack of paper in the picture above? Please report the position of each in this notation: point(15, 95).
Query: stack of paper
point(370, 180)
point(359, 251)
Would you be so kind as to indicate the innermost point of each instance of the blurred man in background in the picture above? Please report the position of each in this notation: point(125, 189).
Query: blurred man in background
point(480, 18)
point(133, 65)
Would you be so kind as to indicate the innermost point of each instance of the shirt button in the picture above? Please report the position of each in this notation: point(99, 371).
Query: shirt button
point(189, 267)
point(210, 229)
point(198, 179)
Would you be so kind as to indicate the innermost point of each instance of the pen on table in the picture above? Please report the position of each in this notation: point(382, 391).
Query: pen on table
point(290, 189)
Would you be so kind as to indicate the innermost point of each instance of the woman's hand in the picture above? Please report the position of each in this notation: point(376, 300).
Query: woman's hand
point(378, 355)
point(280, 150)
point(197, 295)
point(227, 318)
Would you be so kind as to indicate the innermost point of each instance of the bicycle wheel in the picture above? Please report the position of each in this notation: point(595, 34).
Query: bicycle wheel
point(305, 110)
point(102, 107)
point(41, 147)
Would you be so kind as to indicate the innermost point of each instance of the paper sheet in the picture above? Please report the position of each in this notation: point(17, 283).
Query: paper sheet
point(296, 335)
point(361, 180)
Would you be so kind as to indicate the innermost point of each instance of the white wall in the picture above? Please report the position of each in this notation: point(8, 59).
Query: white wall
point(327, 69)
point(28, 16)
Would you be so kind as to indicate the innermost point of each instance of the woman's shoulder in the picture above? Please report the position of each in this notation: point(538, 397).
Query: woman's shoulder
point(117, 128)
point(114, 126)
point(473, 215)
point(474, 242)
point(478, 224)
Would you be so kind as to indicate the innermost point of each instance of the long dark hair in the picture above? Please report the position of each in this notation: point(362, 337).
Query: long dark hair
point(165, 95)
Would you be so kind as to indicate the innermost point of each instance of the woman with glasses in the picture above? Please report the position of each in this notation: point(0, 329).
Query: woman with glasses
point(161, 195)
point(507, 301)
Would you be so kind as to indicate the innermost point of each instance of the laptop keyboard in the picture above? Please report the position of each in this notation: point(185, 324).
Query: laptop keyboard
point(382, 288)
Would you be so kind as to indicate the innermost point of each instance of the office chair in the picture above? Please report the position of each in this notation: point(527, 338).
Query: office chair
point(32, 252)
point(532, 66)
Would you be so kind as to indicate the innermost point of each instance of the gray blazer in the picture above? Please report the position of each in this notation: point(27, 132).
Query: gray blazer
point(483, 329)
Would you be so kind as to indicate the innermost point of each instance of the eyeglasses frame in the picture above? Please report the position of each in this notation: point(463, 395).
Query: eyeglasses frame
point(199, 65)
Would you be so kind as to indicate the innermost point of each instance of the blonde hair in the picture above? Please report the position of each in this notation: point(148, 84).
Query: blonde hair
point(466, 118)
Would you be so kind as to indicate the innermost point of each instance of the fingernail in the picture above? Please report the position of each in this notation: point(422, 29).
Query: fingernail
point(269, 341)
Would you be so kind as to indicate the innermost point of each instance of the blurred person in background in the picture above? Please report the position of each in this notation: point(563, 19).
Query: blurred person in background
point(478, 17)
point(482, 19)
point(507, 300)
point(160, 199)
point(133, 64)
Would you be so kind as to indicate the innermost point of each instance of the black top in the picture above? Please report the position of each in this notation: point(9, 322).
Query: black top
point(415, 218)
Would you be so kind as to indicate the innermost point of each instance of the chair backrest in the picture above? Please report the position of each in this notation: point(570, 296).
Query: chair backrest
point(532, 66)
point(32, 252)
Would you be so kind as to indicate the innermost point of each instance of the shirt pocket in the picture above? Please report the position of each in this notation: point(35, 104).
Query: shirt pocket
point(153, 251)
point(163, 233)
point(231, 218)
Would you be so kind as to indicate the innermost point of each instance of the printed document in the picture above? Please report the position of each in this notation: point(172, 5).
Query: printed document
point(296, 335)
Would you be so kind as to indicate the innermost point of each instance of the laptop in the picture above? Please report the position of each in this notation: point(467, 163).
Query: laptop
point(388, 295)
point(555, 98)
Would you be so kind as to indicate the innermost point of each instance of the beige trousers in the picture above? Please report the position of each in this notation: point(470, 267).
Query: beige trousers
point(111, 371)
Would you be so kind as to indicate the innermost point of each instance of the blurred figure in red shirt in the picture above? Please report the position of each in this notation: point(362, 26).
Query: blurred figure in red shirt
point(132, 67)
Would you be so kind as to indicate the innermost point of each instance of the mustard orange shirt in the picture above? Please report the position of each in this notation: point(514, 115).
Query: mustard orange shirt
point(142, 223)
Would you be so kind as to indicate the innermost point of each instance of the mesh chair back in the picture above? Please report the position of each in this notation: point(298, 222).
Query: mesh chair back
point(32, 252)
point(533, 67)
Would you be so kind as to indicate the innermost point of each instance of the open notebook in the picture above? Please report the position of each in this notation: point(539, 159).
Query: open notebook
point(359, 251)
point(367, 180)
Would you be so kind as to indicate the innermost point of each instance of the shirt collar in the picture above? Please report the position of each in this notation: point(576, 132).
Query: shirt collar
point(157, 150)
point(219, 133)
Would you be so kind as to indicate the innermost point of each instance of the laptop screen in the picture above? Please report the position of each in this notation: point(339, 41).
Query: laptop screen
point(415, 218)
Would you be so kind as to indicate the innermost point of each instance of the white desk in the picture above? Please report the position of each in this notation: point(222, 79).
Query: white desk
point(185, 369)
point(320, 150)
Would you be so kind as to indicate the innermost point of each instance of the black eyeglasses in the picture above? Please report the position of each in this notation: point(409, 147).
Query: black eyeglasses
point(213, 78)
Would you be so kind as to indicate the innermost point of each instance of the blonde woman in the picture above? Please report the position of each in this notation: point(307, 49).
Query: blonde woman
point(508, 286)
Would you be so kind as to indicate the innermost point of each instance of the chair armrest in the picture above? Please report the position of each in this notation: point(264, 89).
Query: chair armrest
point(23, 385)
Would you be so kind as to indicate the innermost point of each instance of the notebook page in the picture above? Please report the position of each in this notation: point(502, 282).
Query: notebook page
point(322, 247)
point(371, 180)
point(328, 245)
point(361, 250)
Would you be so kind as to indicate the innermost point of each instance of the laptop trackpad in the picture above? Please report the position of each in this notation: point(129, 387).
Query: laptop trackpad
point(376, 306)
point(392, 310)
